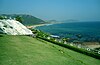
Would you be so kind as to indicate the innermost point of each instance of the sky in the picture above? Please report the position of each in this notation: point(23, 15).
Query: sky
point(84, 10)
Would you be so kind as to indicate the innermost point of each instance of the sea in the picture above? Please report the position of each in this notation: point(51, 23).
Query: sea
point(89, 31)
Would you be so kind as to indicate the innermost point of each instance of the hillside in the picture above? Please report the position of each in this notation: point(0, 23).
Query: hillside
point(24, 50)
point(27, 19)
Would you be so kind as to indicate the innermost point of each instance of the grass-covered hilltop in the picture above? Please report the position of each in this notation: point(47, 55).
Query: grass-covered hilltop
point(25, 50)
point(26, 19)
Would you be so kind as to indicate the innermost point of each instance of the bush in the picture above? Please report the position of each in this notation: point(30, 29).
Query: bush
point(83, 51)
point(19, 18)
point(1, 35)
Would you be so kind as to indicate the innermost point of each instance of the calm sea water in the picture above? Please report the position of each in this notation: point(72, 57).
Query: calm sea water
point(86, 29)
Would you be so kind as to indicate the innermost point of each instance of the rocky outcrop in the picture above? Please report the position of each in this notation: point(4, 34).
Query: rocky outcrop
point(26, 19)
point(13, 27)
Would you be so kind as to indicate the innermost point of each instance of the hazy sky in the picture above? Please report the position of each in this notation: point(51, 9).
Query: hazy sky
point(53, 9)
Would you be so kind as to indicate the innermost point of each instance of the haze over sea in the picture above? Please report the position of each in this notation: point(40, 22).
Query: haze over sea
point(88, 30)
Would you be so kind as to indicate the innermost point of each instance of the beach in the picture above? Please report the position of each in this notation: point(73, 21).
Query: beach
point(34, 26)
point(92, 45)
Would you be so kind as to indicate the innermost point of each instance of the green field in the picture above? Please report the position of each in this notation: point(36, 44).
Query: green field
point(24, 50)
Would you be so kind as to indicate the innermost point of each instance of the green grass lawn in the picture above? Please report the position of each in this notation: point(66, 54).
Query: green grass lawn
point(24, 50)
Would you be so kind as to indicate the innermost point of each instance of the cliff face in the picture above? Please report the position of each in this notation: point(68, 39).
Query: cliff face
point(13, 27)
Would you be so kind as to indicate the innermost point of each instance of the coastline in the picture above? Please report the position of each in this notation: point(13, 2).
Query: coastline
point(34, 26)
point(91, 45)
point(37, 25)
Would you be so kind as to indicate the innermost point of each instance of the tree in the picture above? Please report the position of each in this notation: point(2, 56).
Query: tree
point(66, 39)
point(1, 17)
point(19, 18)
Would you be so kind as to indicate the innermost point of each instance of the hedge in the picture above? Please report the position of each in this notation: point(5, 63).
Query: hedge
point(83, 51)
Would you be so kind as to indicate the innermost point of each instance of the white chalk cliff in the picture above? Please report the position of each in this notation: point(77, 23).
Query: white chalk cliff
point(13, 27)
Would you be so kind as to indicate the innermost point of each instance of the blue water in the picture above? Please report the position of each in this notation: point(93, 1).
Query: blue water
point(86, 29)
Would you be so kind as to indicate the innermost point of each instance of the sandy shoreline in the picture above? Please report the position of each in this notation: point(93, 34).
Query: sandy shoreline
point(92, 44)
point(34, 26)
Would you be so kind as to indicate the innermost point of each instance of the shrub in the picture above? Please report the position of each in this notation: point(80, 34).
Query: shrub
point(1, 35)
point(83, 51)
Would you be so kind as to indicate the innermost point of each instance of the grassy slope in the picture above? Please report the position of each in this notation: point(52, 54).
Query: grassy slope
point(23, 50)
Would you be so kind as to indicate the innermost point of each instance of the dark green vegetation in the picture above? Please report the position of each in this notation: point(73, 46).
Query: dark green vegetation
point(1, 17)
point(26, 19)
point(24, 50)
point(19, 18)
point(83, 51)
point(91, 52)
